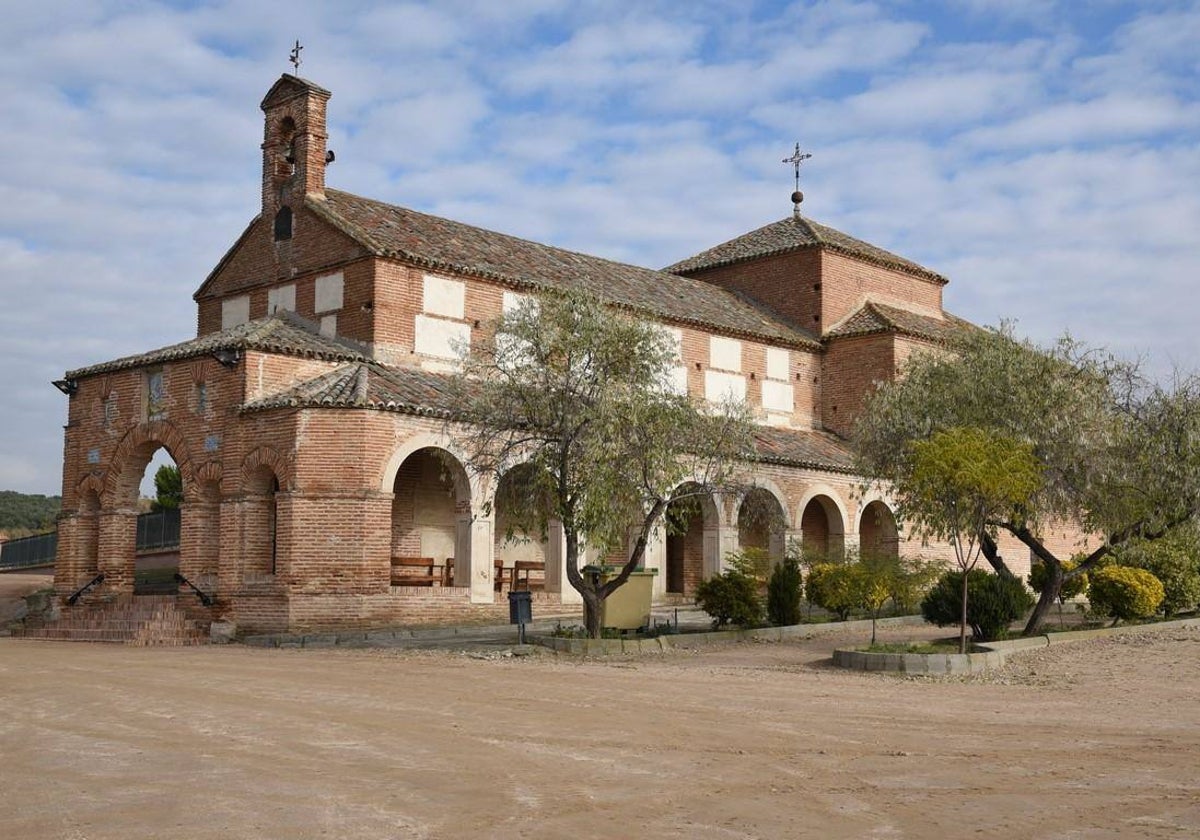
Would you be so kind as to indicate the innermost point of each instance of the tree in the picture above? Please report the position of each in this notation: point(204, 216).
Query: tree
point(581, 393)
point(1070, 587)
point(168, 488)
point(1121, 455)
point(784, 591)
point(961, 481)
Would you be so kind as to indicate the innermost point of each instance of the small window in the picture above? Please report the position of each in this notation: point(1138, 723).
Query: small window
point(201, 397)
point(110, 411)
point(283, 224)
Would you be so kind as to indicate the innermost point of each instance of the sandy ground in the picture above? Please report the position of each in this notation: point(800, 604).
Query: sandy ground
point(1092, 740)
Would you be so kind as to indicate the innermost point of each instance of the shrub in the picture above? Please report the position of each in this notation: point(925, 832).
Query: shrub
point(993, 603)
point(1125, 593)
point(831, 586)
point(783, 593)
point(913, 579)
point(730, 598)
point(1174, 560)
point(1038, 578)
point(754, 563)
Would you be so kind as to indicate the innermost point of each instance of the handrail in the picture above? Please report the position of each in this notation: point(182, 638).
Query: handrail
point(204, 599)
point(97, 579)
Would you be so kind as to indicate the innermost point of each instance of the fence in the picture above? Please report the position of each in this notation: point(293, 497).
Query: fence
point(155, 531)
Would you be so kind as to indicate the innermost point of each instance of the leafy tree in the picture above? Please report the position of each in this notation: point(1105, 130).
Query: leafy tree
point(168, 488)
point(731, 598)
point(1121, 455)
point(831, 586)
point(962, 480)
point(1071, 587)
point(582, 393)
point(22, 514)
point(1125, 593)
point(784, 593)
point(912, 579)
point(1175, 561)
point(995, 602)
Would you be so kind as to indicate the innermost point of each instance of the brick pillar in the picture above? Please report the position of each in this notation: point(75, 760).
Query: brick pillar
point(117, 549)
point(199, 544)
point(229, 552)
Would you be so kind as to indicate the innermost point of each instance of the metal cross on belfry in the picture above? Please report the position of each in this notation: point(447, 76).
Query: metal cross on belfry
point(798, 157)
point(294, 58)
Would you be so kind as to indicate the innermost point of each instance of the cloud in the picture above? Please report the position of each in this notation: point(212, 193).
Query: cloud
point(1042, 156)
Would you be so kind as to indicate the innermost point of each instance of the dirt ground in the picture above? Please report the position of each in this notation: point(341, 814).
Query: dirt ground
point(1091, 740)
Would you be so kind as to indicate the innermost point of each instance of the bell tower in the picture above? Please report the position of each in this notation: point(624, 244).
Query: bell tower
point(294, 146)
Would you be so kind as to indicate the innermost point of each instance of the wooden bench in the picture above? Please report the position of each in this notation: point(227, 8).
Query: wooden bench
point(498, 571)
point(523, 576)
point(424, 571)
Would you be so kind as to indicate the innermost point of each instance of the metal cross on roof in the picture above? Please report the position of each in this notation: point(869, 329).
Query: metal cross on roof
point(294, 58)
point(798, 157)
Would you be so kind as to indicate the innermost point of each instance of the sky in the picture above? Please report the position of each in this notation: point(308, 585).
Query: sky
point(1043, 155)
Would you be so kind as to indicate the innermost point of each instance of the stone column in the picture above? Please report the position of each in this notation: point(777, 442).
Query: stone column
point(477, 573)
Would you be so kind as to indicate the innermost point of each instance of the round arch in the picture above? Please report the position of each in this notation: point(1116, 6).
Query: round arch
point(425, 440)
point(823, 520)
point(134, 452)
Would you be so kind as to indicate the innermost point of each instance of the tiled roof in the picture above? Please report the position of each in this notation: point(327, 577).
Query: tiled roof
point(793, 234)
point(284, 332)
point(370, 385)
point(366, 385)
point(802, 448)
point(874, 318)
point(446, 245)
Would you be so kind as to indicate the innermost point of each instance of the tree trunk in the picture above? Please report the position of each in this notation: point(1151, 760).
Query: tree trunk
point(962, 627)
point(1049, 594)
point(593, 611)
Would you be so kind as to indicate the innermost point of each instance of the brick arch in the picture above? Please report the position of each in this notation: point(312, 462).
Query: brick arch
point(207, 484)
point(465, 483)
point(264, 456)
point(121, 483)
point(91, 483)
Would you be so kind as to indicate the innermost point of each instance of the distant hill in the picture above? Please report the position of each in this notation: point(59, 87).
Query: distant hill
point(27, 513)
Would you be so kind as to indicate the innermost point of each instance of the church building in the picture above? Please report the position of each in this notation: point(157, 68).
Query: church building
point(308, 414)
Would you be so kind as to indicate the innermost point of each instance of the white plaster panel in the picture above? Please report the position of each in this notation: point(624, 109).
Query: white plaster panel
point(777, 363)
point(445, 297)
point(778, 396)
point(724, 353)
point(720, 386)
point(675, 336)
point(435, 337)
point(328, 292)
point(511, 301)
point(329, 326)
point(235, 311)
point(283, 297)
point(679, 381)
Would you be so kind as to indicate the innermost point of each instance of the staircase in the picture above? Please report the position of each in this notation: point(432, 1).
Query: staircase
point(141, 620)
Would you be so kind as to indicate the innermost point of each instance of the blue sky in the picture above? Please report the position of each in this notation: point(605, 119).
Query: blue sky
point(1043, 155)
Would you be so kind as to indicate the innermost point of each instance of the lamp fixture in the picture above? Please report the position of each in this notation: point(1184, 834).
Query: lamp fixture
point(67, 386)
point(227, 356)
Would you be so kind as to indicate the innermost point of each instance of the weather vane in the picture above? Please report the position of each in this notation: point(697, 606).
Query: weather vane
point(294, 58)
point(798, 157)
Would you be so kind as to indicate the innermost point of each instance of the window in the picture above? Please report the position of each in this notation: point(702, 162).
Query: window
point(283, 224)
point(201, 397)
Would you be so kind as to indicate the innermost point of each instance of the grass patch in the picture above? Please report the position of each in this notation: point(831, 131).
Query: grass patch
point(911, 647)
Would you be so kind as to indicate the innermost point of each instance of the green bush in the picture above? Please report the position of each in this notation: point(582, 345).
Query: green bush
point(1125, 593)
point(993, 603)
point(730, 598)
point(1039, 577)
point(831, 586)
point(1174, 560)
point(913, 579)
point(783, 594)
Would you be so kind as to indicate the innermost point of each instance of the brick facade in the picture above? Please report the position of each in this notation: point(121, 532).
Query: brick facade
point(293, 514)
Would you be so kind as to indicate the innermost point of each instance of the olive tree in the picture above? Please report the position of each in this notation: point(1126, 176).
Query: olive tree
point(1120, 454)
point(581, 395)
